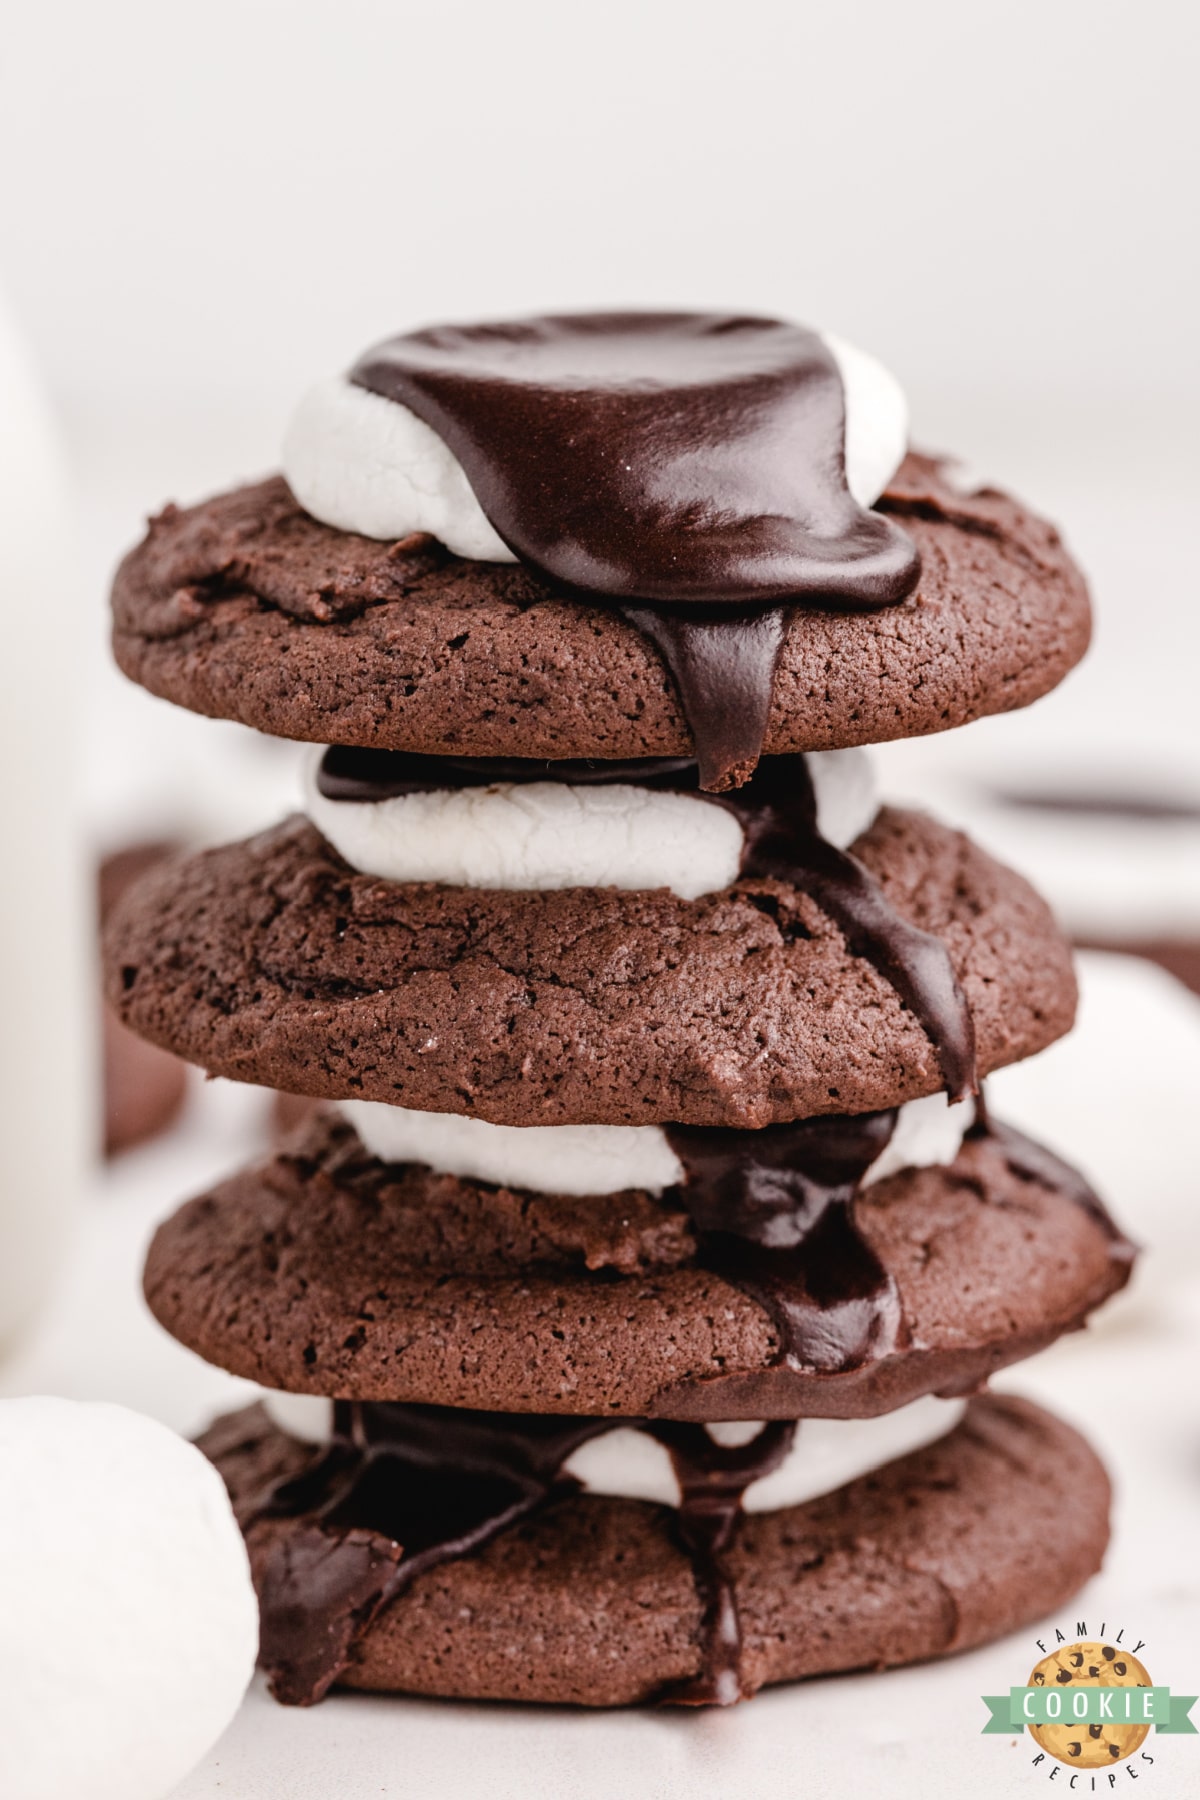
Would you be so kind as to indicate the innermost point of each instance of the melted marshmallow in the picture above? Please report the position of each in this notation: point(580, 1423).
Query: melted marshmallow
point(631, 1465)
point(545, 1159)
point(581, 1160)
point(546, 834)
point(366, 464)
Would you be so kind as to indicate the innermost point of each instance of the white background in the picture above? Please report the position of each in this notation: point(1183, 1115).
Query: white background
point(204, 200)
point(203, 207)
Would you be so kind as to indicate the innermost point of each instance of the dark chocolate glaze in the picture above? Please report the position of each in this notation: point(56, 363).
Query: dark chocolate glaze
point(778, 811)
point(373, 775)
point(685, 461)
point(724, 662)
point(774, 1215)
point(712, 1480)
point(662, 457)
point(401, 1489)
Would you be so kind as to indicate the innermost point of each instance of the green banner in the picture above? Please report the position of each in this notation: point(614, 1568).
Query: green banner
point(1022, 1706)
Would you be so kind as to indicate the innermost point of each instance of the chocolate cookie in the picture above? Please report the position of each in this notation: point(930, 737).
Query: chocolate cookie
point(272, 961)
point(323, 1271)
point(594, 1602)
point(144, 1087)
point(244, 607)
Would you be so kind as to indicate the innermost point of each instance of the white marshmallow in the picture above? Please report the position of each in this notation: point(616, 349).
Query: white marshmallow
point(602, 1159)
point(545, 834)
point(540, 834)
point(928, 1132)
point(630, 1464)
point(876, 419)
point(846, 793)
point(128, 1623)
point(363, 463)
point(546, 1159)
point(366, 464)
point(825, 1455)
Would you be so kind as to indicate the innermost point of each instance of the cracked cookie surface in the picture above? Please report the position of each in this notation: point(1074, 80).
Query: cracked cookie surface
point(272, 961)
point(322, 1270)
point(244, 607)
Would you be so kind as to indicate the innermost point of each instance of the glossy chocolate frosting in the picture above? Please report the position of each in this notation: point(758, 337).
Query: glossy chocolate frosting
point(688, 467)
point(662, 457)
point(774, 1215)
point(777, 809)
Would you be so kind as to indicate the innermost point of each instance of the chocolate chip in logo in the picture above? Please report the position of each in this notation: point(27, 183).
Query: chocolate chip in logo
point(1108, 1652)
point(1114, 1750)
point(1092, 1669)
point(1120, 1668)
point(1039, 1678)
point(1095, 1730)
point(1074, 1749)
point(1063, 1675)
point(1077, 1659)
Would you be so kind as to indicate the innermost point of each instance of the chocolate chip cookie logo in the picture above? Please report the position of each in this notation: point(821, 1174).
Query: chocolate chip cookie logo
point(1091, 1705)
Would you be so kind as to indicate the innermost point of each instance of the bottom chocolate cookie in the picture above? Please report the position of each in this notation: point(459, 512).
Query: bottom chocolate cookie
point(596, 1601)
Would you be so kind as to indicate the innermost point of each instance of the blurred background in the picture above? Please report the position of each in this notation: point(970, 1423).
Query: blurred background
point(207, 208)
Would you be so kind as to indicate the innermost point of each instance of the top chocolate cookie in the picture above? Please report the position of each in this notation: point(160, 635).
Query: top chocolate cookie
point(607, 536)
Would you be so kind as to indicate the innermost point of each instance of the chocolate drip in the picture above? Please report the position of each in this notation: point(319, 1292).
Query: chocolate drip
point(374, 775)
point(712, 1480)
point(675, 460)
point(400, 1489)
point(778, 812)
point(774, 1214)
point(403, 1488)
point(724, 667)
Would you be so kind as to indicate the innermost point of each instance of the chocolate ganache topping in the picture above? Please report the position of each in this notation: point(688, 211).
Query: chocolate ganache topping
point(774, 1215)
point(778, 812)
point(686, 467)
point(401, 1489)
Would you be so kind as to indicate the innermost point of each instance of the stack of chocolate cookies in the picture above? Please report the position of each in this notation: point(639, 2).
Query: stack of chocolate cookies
point(625, 1298)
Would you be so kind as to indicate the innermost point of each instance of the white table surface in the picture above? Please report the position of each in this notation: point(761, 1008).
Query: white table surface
point(1130, 1381)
